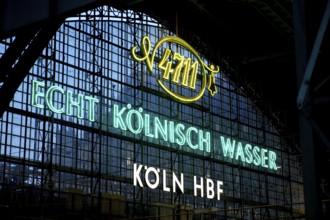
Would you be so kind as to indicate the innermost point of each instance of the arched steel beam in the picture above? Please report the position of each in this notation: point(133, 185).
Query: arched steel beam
point(33, 23)
point(13, 76)
point(17, 16)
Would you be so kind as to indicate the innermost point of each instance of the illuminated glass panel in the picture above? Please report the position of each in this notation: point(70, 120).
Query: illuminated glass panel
point(62, 137)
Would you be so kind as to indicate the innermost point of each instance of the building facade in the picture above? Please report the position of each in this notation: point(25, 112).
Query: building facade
point(121, 118)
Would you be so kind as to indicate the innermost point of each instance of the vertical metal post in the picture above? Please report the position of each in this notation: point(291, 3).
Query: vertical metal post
point(312, 201)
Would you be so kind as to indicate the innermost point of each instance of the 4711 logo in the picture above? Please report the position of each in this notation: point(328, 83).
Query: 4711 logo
point(177, 71)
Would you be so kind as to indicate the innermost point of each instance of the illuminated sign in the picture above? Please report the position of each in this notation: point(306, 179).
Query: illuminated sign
point(153, 129)
point(191, 138)
point(42, 96)
point(184, 77)
point(138, 124)
point(154, 176)
point(177, 68)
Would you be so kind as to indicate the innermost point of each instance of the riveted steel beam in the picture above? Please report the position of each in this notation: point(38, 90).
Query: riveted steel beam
point(15, 74)
point(19, 15)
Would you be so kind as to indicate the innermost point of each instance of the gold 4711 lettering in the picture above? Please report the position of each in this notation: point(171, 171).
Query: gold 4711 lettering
point(183, 71)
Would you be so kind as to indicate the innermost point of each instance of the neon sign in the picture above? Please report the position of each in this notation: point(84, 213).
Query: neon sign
point(139, 124)
point(183, 71)
point(154, 177)
point(42, 97)
point(191, 138)
point(128, 119)
point(136, 123)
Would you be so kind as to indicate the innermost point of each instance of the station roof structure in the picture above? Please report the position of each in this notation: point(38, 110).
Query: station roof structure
point(266, 47)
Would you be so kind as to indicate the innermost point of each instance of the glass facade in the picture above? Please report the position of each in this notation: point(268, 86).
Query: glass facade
point(71, 136)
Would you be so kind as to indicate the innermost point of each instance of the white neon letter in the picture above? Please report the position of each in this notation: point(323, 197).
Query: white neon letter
point(176, 181)
point(240, 152)
point(272, 158)
point(206, 140)
point(159, 128)
point(139, 121)
point(91, 107)
point(117, 117)
point(70, 103)
point(209, 188)
point(150, 184)
point(147, 126)
point(49, 98)
point(196, 186)
point(188, 137)
point(36, 94)
point(136, 175)
point(227, 148)
point(219, 184)
point(165, 188)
